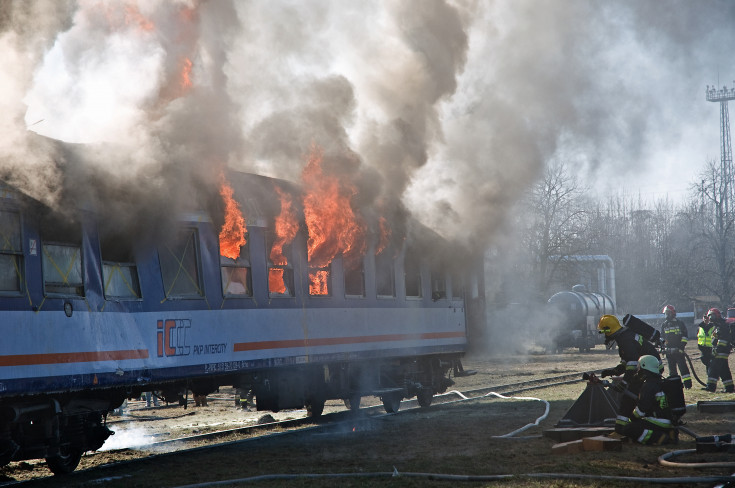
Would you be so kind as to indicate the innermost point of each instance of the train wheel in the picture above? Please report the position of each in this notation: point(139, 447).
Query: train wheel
point(353, 403)
point(424, 397)
point(315, 408)
point(391, 402)
point(66, 462)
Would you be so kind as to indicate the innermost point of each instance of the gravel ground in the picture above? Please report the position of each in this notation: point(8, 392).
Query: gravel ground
point(457, 439)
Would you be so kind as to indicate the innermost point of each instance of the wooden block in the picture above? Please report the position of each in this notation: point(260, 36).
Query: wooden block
point(574, 433)
point(602, 443)
point(567, 447)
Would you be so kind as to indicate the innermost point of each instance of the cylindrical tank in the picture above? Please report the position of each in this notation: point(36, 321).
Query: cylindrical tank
point(574, 317)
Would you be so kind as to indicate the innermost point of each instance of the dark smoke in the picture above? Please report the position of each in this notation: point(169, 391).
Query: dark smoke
point(447, 110)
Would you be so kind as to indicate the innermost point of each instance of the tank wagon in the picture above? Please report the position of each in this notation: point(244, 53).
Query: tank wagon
point(574, 316)
point(91, 318)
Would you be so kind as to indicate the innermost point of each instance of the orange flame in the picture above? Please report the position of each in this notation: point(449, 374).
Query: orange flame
point(232, 235)
point(333, 227)
point(185, 76)
point(385, 234)
point(286, 227)
point(134, 17)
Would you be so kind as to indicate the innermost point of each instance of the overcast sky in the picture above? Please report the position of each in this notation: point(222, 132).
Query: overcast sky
point(452, 107)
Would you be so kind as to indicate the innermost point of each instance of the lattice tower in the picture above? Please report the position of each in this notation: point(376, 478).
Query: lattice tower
point(723, 95)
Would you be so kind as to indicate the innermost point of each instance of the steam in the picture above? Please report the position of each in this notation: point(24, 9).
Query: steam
point(447, 110)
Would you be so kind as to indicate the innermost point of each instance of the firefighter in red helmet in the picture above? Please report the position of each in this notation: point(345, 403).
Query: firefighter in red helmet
point(675, 336)
point(721, 347)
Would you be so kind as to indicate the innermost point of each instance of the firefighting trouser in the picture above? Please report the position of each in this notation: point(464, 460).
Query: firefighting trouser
point(707, 356)
point(677, 360)
point(645, 432)
point(719, 369)
point(628, 402)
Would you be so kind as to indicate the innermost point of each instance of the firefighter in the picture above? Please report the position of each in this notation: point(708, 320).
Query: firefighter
point(653, 419)
point(721, 347)
point(704, 340)
point(674, 334)
point(631, 346)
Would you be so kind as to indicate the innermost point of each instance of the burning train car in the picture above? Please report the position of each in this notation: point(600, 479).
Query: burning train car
point(255, 295)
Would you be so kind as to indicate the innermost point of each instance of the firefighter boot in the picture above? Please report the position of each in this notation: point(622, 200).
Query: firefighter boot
point(688, 384)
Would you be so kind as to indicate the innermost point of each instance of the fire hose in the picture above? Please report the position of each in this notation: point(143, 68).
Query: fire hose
point(694, 373)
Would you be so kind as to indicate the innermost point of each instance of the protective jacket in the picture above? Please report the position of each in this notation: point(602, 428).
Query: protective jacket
point(652, 419)
point(631, 346)
point(675, 333)
point(719, 367)
point(704, 334)
point(721, 338)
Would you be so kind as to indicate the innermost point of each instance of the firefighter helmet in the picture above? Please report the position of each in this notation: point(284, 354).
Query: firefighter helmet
point(714, 313)
point(669, 309)
point(608, 325)
point(649, 363)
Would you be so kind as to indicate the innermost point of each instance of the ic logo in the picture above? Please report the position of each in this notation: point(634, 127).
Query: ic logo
point(171, 335)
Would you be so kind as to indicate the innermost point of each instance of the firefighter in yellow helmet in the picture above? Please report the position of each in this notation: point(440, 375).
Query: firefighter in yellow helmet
point(631, 346)
point(653, 419)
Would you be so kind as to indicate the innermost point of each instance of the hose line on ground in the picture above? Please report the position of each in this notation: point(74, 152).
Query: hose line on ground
point(472, 478)
point(517, 431)
point(663, 460)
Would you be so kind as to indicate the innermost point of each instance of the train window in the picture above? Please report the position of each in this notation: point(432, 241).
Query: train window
point(355, 279)
point(11, 252)
point(236, 276)
point(180, 266)
point(280, 271)
point(320, 280)
point(61, 257)
point(62, 269)
point(457, 286)
point(412, 272)
point(438, 285)
point(385, 281)
point(119, 272)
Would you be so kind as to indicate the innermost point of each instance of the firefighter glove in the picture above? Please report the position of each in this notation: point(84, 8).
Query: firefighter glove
point(607, 372)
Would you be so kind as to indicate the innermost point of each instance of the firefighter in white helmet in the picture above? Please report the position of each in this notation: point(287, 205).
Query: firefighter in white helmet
point(675, 336)
point(653, 421)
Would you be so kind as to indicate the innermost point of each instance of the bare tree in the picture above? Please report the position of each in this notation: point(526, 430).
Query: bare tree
point(713, 222)
point(555, 220)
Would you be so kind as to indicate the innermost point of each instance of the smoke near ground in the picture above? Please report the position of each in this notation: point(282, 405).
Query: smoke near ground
point(448, 110)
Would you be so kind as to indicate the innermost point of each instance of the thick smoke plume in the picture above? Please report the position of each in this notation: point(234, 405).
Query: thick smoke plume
point(445, 109)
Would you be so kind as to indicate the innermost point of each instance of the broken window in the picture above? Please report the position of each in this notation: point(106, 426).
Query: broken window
point(457, 286)
point(412, 272)
point(320, 280)
point(385, 281)
point(355, 279)
point(236, 276)
point(438, 284)
point(180, 266)
point(280, 270)
point(11, 252)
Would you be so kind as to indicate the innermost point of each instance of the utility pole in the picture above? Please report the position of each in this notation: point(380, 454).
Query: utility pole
point(723, 95)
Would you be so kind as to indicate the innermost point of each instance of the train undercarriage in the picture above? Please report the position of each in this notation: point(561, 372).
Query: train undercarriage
point(61, 428)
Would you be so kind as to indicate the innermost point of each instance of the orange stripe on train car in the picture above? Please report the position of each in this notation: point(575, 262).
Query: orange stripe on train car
point(331, 341)
point(72, 357)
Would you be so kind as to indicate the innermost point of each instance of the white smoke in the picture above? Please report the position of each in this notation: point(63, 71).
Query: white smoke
point(451, 108)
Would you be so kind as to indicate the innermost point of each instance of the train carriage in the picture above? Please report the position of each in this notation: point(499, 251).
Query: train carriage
point(91, 316)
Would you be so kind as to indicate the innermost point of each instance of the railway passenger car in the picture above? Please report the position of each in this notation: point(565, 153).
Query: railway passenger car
point(90, 318)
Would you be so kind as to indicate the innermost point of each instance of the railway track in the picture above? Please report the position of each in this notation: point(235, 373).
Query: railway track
point(327, 423)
